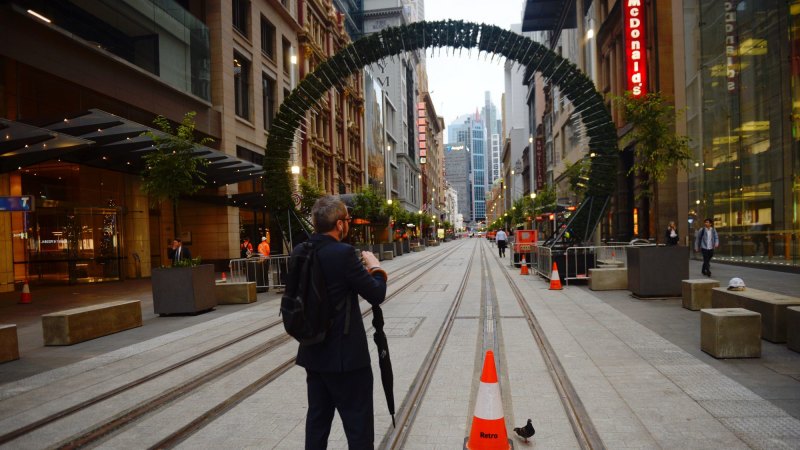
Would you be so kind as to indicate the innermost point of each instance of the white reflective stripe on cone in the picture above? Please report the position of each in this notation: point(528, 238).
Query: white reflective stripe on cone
point(489, 404)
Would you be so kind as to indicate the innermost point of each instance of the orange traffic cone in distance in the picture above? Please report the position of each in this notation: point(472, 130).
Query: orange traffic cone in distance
point(223, 277)
point(555, 279)
point(524, 266)
point(488, 422)
point(25, 298)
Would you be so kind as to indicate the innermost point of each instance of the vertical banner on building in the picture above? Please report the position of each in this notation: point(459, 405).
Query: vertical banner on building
point(422, 127)
point(635, 47)
point(539, 163)
point(731, 57)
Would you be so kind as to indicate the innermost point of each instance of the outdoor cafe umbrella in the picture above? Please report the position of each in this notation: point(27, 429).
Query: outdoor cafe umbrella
point(387, 377)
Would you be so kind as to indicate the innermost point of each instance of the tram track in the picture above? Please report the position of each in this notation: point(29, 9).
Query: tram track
point(582, 426)
point(580, 421)
point(130, 415)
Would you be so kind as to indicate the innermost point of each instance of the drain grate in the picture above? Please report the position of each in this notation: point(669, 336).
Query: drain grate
point(432, 288)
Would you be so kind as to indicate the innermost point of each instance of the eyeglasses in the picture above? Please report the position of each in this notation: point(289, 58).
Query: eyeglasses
point(347, 219)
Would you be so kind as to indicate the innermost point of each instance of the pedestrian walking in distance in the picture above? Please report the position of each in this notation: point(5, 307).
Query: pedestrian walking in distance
point(706, 241)
point(178, 252)
point(502, 242)
point(338, 369)
point(672, 234)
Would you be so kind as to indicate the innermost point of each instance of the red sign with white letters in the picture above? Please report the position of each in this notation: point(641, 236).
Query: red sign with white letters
point(635, 48)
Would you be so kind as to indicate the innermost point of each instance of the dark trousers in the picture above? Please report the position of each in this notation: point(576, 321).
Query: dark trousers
point(501, 248)
point(707, 255)
point(350, 393)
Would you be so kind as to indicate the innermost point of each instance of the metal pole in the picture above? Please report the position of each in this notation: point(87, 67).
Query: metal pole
point(289, 221)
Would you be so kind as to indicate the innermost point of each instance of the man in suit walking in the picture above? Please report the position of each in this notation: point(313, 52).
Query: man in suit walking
point(338, 370)
point(178, 252)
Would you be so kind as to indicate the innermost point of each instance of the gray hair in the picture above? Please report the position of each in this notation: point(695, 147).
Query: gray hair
point(326, 211)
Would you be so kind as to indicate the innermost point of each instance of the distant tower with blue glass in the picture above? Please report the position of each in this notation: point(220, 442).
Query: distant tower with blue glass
point(470, 130)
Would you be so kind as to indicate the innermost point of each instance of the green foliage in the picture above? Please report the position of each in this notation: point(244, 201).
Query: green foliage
point(546, 199)
point(371, 206)
point(657, 147)
point(171, 169)
point(309, 193)
point(188, 262)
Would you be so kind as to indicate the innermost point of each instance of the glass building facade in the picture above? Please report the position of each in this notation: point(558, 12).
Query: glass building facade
point(743, 118)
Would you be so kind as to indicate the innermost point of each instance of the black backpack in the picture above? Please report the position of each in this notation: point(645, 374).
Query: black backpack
point(307, 313)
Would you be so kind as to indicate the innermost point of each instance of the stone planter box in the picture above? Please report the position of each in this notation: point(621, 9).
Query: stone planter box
point(697, 293)
point(9, 344)
point(184, 290)
point(730, 333)
point(398, 248)
point(793, 328)
point(657, 271)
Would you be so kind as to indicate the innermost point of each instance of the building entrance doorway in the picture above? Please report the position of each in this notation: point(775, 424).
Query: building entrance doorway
point(81, 245)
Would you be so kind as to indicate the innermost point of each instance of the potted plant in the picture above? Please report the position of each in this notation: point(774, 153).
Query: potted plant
point(171, 171)
point(185, 288)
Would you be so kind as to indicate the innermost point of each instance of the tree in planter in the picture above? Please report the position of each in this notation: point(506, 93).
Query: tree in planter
point(370, 206)
point(657, 148)
point(172, 170)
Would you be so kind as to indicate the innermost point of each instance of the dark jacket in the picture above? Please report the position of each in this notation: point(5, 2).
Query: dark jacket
point(185, 254)
point(345, 276)
point(672, 240)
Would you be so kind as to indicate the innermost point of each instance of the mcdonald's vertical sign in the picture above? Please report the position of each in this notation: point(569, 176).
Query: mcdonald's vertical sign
point(635, 48)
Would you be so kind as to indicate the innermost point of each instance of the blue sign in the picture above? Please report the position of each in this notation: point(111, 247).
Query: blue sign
point(23, 203)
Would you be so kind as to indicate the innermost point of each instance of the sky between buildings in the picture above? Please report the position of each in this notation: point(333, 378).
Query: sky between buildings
point(457, 84)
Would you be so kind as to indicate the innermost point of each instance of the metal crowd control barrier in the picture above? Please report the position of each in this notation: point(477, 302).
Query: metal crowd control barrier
point(265, 272)
point(580, 259)
point(542, 261)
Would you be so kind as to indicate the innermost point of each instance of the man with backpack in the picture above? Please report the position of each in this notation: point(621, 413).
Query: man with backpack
point(706, 241)
point(320, 309)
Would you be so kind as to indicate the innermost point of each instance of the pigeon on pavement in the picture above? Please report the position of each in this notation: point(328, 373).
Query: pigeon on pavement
point(526, 431)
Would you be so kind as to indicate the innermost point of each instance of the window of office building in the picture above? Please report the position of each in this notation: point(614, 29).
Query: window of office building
point(241, 85)
point(287, 56)
point(241, 12)
point(744, 136)
point(267, 99)
point(267, 38)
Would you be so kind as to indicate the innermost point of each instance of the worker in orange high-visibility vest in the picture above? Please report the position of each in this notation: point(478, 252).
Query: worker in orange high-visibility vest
point(263, 248)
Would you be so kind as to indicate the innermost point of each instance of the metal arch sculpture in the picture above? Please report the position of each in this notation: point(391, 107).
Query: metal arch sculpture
point(534, 57)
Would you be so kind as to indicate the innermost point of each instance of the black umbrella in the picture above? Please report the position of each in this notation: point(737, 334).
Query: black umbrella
point(387, 377)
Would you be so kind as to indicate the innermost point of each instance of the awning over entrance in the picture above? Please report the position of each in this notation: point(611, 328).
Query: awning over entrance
point(104, 140)
point(23, 145)
point(546, 15)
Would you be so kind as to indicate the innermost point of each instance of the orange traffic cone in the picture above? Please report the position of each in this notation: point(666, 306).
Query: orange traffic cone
point(25, 298)
point(524, 266)
point(488, 424)
point(555, 279)
point(223, 277)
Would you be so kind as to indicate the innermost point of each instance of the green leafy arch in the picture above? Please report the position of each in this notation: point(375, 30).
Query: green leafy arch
point(534, 57)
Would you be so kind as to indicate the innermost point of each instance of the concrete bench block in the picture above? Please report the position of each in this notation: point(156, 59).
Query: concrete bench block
point(9, 345)
point(730, 333)
point(82, 324)
point(417, 248)
point(235, 293)
point(388, 254)
point(608, 279)
point(793, 328)
point(697, 293)
point(770, 305)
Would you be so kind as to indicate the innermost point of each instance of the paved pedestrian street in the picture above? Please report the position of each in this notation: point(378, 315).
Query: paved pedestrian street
point(590, 368)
